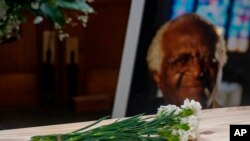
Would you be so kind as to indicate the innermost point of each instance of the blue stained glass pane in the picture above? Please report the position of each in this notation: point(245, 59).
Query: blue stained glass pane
point(239, 26)
point(182, 6)
point(214, 11)
point(240, 21)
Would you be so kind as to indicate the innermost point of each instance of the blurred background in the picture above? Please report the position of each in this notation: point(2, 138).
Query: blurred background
point(44, 81)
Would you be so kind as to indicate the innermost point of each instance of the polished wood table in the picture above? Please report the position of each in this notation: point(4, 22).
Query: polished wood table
point(214, 125)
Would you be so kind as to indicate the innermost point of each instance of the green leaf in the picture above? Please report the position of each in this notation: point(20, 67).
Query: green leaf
point(101, 119)
point(75, 5)
point(184, 127)
point(53, 13)
point(186, 112)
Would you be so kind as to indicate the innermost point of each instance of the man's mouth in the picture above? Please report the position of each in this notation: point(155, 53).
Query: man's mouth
point(192, 89)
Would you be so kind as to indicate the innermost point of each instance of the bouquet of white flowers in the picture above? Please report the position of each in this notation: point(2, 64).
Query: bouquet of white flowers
point(171, 123)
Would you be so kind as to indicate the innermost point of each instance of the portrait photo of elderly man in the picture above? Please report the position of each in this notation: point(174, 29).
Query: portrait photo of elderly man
point(183, 52)
point(186, 58)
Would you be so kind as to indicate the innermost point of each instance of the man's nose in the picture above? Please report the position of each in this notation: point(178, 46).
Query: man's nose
point(196, 68)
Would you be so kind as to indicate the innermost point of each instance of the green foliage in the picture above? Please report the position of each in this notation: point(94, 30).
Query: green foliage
point(12, 14)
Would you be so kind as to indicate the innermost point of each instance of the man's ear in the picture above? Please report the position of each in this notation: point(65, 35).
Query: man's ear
point(157, 79)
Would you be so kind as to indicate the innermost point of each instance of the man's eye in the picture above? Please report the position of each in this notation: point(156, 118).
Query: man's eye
point(182, 60)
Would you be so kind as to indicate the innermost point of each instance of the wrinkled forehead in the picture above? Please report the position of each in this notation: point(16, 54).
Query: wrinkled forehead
point(188, 38)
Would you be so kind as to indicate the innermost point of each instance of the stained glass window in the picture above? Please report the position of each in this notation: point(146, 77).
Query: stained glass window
point(181, 7)
point(238, 32)
point(214, 11)
point(234, 20)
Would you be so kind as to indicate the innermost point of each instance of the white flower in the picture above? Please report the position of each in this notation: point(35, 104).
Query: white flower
point(83, 18)
point(183, 135)
point(57, 26)
point(191, 133)
point(38, 20)
point(35, 5)
point(168, 109)
point(68, 20)
point(193, 123)
point(62, 36)
point(193, 105)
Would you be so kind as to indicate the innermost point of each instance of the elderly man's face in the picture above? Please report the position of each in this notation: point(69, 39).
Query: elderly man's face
point(189, 67)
